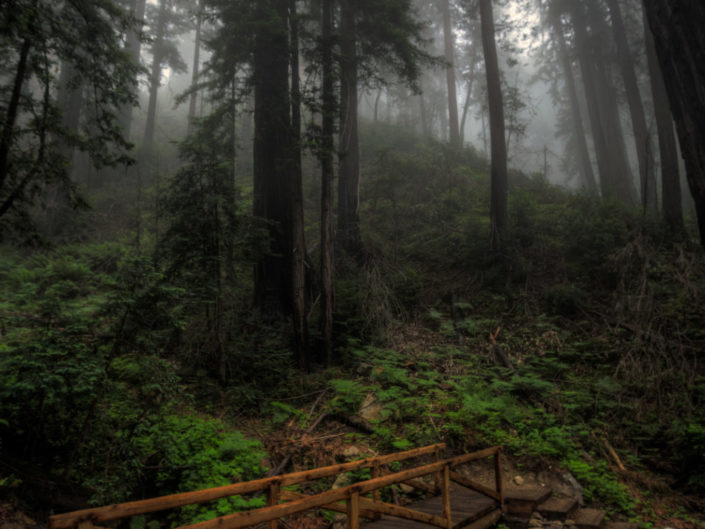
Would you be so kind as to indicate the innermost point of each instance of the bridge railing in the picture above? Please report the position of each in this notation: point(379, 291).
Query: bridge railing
point(345, 499)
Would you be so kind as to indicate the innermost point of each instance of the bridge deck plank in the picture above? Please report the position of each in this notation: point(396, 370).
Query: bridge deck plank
point(466, 506)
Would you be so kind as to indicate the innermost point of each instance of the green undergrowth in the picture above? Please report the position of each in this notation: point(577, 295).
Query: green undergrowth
point(453, 395)
point(89, 395)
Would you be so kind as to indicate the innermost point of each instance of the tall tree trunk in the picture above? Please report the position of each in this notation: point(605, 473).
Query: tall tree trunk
point(273, 156)
point(69, 101)
point(326, 157)
point(298, 276)
point(596, 96)
point(155, 77)
point(671, 203)
point(498, 204)
point(680, 46)
point(448, 39)
point(377, 98)
point(586, 172)
point(8, 128)
point(620, 182)
point(133, 45)
point(196, 65)
point(588, 78)
point(70, 98)
point(349, 172)
point(468, 94)
point(642, 137)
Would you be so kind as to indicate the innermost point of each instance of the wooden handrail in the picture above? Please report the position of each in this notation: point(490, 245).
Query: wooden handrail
point(265, 514)
point(274, 511)
point(133, 508)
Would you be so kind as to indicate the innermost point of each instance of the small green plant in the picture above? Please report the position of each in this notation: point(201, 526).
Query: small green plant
point(600, 484)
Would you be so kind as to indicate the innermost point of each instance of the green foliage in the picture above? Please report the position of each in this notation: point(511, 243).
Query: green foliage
point(191, 453)
point(600, 484)
point(689, 447)
point(348, 395)
point(80, 362)
point(565, 299)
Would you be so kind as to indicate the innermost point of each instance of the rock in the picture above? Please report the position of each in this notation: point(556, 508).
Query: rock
point(536, 520)
point(341, 481)
point(340, 522)
point(407, 489)
point(351, 451)
point(371, 408)
point(568, 478)
point(518, 480)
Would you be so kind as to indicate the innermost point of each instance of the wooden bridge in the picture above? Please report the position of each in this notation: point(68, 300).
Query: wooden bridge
point(455, 501)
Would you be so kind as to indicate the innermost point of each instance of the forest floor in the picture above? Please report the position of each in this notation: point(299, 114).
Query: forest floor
point(428, 388)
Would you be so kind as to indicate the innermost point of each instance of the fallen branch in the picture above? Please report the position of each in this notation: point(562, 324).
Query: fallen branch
point(614, 455)
point(282, 464)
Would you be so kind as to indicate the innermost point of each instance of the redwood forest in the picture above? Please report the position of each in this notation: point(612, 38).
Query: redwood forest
point(316, 264)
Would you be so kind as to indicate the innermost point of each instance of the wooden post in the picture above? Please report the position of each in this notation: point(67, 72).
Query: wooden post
point(273, 494)
point(446, 496)
point(354, 510)
point(437, 476)
point(85, 524)
point(375, 474)
point(375, 493)
point(498, 475)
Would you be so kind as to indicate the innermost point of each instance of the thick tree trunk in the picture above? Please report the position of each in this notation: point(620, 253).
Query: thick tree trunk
point(326, 157)
point(588, 78)
point(70, 98)
point(273, 156)
point(586, 172)
point(298, 276)
point(8, 128)
point(610, 151)
point(155, 77)
point(349, 171)
point(196, 65)
point(133, 47)
point(620, 183)
point(680, 46)
point(671, 203)
point(642, 137)
point(498, 205)
point(454, 130)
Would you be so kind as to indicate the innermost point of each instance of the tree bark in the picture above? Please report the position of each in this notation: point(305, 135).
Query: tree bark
point(155, 77)
point(273, 156)
point(349, 171)
point(133, 45)
point(498, 146)
point(468, 94)
point(454, 129)
point(586, 172)
point(8, 129)
point(620, 181)
point(671, 203)
point(642, 137)
point(326, 158)
point(603, 113)
point(70, 98)
point(298, 276)
point(680, 46)
point(196, 65)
